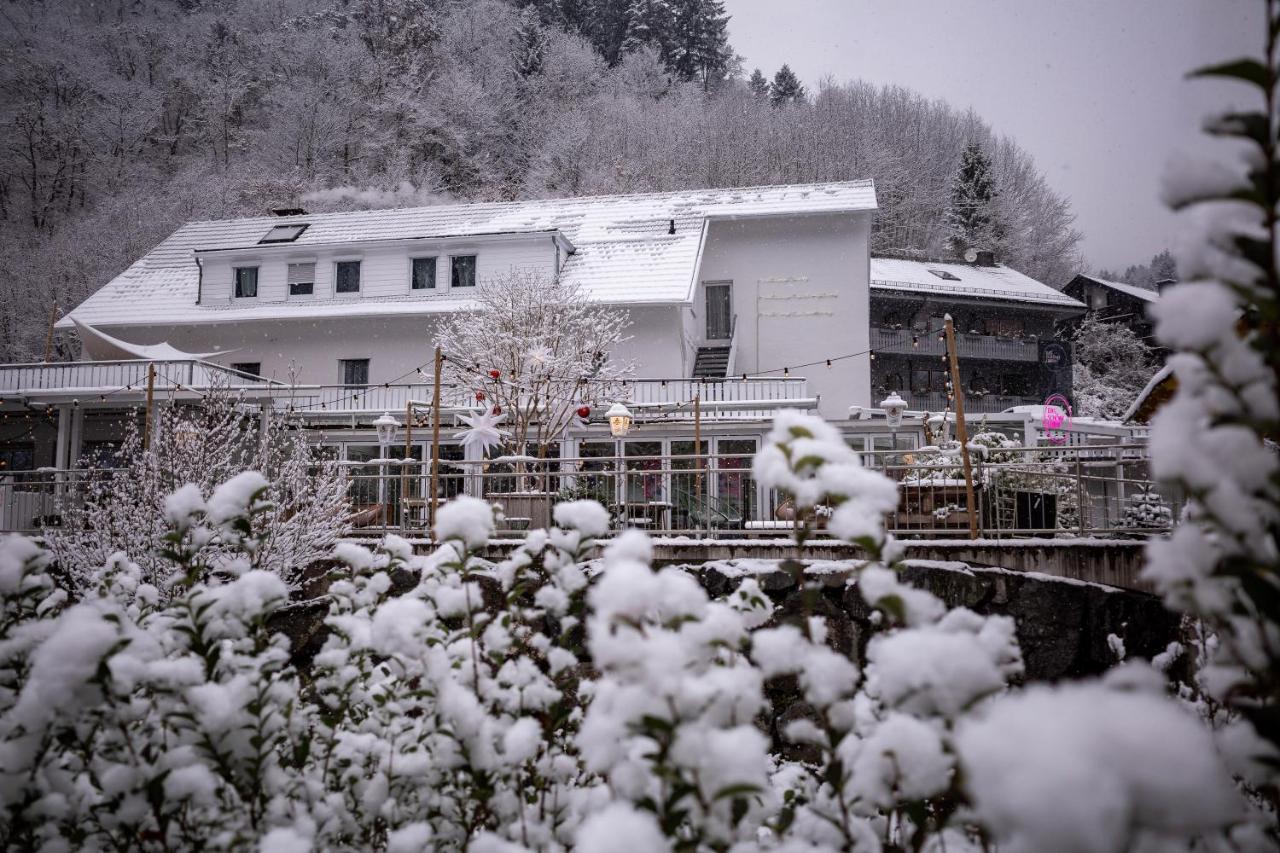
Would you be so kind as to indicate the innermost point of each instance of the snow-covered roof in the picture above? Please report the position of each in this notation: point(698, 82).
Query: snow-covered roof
point(964, 280)
point(1131, 289)
point(622, 249)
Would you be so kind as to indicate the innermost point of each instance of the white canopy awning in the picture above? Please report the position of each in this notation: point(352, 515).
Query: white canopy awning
point(99, 346)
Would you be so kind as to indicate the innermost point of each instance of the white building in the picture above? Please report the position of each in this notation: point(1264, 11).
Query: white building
point(717, 283)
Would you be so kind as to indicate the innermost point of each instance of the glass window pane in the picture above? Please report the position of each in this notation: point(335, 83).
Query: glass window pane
point(464, 271)
point(424, 273)
point(246, 282)
point(302, 278)
point(348, 273)
point(734, 487)
point(355, 371)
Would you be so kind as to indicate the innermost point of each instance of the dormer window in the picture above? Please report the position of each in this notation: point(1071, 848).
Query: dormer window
point(945, 276)
point(284, 233)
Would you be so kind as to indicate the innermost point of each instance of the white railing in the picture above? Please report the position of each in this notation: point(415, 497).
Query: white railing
point(108, 376)
point(769, 393)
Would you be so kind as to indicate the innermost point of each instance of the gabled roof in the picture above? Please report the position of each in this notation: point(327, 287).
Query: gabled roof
point(1131, 289)
point(997, 282)
point(622, 249)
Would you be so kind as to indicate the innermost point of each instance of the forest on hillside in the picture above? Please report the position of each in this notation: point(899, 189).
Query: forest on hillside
point(124, 118)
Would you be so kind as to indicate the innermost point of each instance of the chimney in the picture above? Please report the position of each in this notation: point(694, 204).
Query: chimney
point(288, 211)
point(671, 226)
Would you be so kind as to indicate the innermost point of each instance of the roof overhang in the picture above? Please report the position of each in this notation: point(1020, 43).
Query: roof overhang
point(411, 240)
point(103, 347)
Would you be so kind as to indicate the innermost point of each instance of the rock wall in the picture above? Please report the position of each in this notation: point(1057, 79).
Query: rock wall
point(1062, 624)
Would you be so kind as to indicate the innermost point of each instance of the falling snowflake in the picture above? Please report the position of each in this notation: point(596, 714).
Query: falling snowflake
point(482, 431)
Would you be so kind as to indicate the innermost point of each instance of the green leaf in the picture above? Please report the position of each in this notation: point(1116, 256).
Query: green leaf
point(1247, 70)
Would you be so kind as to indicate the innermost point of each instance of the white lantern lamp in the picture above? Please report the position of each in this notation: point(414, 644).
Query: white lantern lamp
point(386, 427)
point(893, 406)
point(619, 420)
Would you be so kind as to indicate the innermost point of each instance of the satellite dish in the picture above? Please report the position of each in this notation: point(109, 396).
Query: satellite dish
point(971, 256)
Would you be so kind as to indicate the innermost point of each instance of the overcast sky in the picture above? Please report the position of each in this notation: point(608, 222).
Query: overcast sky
point(1093, 89)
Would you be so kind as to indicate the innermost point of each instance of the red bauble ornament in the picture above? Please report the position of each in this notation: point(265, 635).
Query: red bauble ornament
point(584, 412)
point(497, 410)
point(479, 396)
point(496, 374)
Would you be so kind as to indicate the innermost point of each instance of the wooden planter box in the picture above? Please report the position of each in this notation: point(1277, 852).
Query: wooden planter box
point(533, 506)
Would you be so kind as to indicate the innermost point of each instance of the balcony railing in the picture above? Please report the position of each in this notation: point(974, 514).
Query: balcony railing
point(126, 381)
point(100, 377)
point(907, 342)
point(1041, 491)
point(987, 404)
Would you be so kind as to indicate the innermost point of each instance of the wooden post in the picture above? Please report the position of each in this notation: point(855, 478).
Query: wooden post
point(435, 439)
point(697, 452)
point(404, 464)
point(962, 429)
point(48, 335)
point(151, 394)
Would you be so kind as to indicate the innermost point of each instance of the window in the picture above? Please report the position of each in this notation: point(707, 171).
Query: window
point(284, 234)
point(355, 371)
point(248, 368)
point(424, 274)
point(348, 277)
point(302, 279)
point(945, 276)
point(246, 282)
point(463, 271)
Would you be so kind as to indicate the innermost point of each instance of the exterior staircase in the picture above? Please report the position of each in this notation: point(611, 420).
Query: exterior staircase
point(711, 363)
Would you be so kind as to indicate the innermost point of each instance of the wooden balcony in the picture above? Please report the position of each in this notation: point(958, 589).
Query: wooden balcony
point(991, 347)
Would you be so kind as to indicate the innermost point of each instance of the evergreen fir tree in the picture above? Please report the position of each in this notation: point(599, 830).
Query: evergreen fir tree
point(971, 220)
point(648, 23)
point(786, 88)
point(531, 45)
point(758, 85)
point(698, 48)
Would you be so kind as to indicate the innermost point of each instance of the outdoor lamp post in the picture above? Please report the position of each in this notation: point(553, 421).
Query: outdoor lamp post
point(619, 425)
point(893, 406)
point(386, 427)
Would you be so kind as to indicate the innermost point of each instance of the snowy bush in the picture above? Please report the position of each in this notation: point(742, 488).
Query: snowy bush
point(128, 505)
point(557, 701)
point(1215, 439)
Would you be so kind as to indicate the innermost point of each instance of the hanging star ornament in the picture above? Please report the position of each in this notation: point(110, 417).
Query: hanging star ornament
point(482, 431)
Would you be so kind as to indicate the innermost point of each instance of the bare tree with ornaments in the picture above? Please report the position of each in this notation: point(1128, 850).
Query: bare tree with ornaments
point(539, 352)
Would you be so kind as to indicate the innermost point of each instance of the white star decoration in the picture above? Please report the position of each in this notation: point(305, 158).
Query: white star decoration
point(482, 431)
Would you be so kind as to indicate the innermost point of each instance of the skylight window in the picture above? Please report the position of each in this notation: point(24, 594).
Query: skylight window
point(284, 233)
point(945, 276)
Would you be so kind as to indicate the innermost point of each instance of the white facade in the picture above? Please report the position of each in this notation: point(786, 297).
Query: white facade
point(795, 260)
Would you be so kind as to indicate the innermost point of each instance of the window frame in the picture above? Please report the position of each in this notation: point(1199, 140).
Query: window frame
point(236, 269)
point(238, 367)
point(289, 285)
point(337, 274)
point(453, 271)
point(342, 372)
point(434, 287)
point(268, 240)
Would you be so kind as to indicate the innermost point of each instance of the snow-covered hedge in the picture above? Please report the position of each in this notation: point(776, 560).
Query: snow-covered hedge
point(555, 702)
